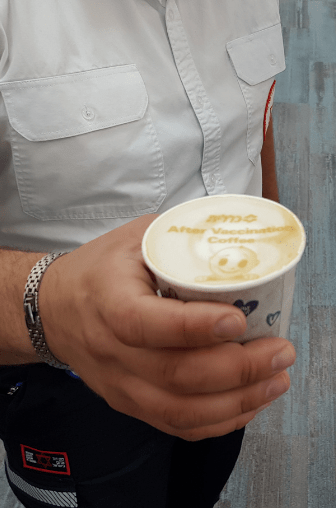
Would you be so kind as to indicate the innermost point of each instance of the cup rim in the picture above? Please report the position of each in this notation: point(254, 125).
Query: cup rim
point(206, 288)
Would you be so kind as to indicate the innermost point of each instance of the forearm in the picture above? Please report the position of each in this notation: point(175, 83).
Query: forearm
point(269, 178)
point(15, 344)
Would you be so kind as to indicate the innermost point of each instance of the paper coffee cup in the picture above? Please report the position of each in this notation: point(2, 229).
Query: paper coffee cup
point(238, 249)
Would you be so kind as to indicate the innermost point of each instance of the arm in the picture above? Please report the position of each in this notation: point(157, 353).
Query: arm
point(269, 178)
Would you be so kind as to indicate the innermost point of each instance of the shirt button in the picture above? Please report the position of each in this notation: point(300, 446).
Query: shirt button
point(170, 15)
point(272, 59)
point(200, 101)
point(213, 180)
point(88, 113)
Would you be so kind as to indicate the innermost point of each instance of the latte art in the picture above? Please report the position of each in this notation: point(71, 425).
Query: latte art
point(224, 241)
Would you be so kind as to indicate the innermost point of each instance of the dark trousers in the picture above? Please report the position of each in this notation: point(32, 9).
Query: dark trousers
point(63, 440)
point(200, 470)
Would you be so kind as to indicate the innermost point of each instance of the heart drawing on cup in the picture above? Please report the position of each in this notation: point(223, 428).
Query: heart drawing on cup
point(271, 318)
point(248, 307)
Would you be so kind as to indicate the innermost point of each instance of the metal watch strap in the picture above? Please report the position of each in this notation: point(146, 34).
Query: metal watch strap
point(31, 309)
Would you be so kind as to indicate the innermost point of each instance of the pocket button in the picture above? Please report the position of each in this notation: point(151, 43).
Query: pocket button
point(88, 113)
point(171, 16)
point(272, 60)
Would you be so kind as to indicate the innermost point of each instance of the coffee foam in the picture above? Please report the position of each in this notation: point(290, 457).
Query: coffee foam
point(224, 240)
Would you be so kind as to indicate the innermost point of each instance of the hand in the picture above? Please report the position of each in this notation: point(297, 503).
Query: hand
point(169, 363)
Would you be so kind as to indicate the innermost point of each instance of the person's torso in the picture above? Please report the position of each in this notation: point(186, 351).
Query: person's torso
point(116, 109)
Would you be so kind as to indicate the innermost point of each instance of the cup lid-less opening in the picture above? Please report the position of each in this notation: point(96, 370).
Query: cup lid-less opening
point(223, 243)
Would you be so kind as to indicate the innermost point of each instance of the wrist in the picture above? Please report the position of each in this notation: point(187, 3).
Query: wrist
point(32, 311)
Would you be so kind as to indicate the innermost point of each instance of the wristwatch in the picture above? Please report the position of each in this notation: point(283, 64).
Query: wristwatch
point(31, 309)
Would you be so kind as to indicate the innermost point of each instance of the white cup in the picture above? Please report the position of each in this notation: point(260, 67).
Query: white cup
point(238, 249)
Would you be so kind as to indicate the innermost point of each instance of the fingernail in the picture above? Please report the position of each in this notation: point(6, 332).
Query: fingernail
point(263, 407)
point(283, 360)
point(228, 326)
point(276, 388)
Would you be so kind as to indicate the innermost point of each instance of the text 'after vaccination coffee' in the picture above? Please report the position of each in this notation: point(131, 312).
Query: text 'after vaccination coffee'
point(224, 242)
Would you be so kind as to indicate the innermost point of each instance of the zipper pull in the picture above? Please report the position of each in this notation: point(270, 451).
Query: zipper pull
point(14, 388)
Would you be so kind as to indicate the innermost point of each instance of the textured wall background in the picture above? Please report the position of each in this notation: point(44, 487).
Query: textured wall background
point(288, 458)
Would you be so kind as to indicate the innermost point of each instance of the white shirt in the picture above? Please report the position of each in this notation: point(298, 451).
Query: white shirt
point(114, 109)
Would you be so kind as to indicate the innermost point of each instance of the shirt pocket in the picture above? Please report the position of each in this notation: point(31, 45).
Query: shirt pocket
point(84, 145)
point(257, 58)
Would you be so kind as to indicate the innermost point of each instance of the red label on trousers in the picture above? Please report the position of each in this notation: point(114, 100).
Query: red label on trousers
point(47, 462)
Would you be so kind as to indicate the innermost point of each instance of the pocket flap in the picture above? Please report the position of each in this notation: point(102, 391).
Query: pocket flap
point(259, 56)
point(67, 105)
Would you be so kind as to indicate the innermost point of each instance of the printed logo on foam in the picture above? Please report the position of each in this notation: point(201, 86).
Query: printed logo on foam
point(245, 243)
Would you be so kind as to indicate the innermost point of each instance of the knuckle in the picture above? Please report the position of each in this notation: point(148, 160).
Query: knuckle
point(249, 371)
point(174, 374)
point(179, 417)
point(169, 374)
point(127, 325)
point(185, 326)
point(96, 344)
point(245, 404)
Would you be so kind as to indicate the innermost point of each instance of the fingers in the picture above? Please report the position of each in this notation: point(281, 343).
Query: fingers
point(212, 369)
point(223, 428)
point(172, 323)
point(148, 321)
point(196, 417)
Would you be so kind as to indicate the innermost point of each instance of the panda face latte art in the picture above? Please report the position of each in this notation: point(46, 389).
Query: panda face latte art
point(224, 240)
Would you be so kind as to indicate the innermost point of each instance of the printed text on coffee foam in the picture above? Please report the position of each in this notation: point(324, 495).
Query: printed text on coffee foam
point(232, 218)
point(215, 239)
point(220, 231)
